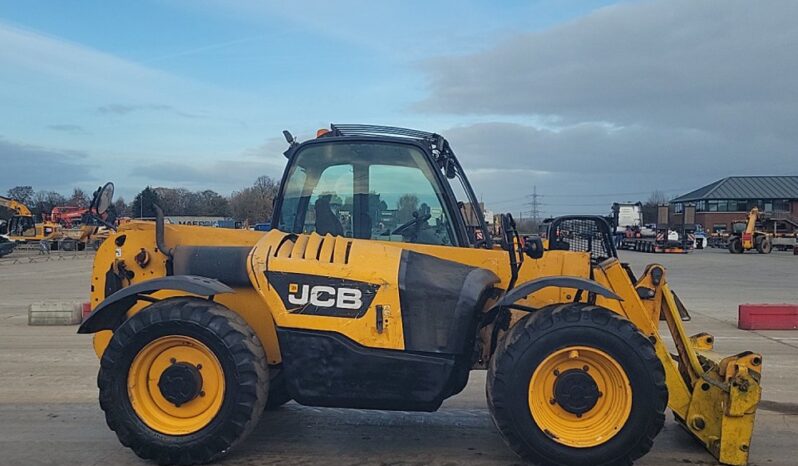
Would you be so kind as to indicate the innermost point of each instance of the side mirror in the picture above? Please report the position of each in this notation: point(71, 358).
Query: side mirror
point(292, 143)
point(103, 198)
point(451, 171)
point(533, 247)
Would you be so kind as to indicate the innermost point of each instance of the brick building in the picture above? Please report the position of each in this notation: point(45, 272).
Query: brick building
point(728, 200)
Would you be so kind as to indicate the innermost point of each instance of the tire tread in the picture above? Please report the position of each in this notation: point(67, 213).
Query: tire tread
point(250, 363)
point(521, 335)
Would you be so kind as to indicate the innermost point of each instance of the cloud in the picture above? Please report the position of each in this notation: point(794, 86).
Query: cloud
point(124, 109)
point(225, 176)
point(603, 150)
point(41, 167)
point(43, 68)
point(74, 64)
point(67, 128)
point(675, 62)
point(585, 167)
point(662, 94)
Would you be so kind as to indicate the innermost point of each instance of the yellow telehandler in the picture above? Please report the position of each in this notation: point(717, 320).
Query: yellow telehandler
point(376, 290)
point(748, 237)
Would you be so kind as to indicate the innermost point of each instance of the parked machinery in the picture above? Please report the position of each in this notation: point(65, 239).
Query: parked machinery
point(667, 238)
point(749, 237)
point(22, 226)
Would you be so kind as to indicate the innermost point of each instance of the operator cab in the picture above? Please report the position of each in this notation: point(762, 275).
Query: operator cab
point(379, 183)
point(23, 226)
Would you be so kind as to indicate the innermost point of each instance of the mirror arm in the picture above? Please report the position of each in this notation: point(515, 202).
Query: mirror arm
point(105, 224)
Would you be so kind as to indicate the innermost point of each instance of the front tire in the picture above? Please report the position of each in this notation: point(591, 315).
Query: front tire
point(577, 384)
point(735, 245)
point(183, 381)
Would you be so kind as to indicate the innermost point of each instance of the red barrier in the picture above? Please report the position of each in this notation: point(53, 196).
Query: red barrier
point(86, 308)
point(768, 317)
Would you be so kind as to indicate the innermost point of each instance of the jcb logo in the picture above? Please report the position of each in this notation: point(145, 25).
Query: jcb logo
point(325, 296)
point(322, 295)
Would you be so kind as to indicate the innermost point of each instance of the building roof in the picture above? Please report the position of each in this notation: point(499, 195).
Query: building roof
point(746, 187)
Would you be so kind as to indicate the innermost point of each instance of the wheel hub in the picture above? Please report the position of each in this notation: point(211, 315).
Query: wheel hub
point(180, 383)
point(576, 391)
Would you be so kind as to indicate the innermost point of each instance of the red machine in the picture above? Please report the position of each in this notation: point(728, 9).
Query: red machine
point(67, 216)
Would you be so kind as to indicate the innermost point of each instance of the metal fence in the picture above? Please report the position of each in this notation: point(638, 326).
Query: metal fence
point(29, 253)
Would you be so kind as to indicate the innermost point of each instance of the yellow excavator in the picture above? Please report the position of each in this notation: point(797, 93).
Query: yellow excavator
point(376, 290)
point(749, 237)
point(22, 226)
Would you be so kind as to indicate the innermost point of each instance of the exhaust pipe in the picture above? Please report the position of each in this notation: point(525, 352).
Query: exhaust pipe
point(159, 232)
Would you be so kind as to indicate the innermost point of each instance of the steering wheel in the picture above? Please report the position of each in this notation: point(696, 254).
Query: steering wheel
point(417, 220)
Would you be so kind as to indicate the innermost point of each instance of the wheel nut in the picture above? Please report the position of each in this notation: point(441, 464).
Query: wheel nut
point(553, 401)
point(585, 368)
point(173, 361)
point(202, 393)
point(199, 367)
point(556, 372)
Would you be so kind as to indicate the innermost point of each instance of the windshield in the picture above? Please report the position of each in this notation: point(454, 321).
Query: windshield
point(367, 190)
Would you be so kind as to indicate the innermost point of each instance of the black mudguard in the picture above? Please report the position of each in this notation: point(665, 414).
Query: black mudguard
point(110, 313)
point(526, 289)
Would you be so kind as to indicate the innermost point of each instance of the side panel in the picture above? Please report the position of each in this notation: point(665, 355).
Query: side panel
point(139, 235)
point(327, 369)
point(496, 260)
point(331, 284)
point(366, 324)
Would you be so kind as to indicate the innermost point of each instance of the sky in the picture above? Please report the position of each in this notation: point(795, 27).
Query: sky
point(583, 102)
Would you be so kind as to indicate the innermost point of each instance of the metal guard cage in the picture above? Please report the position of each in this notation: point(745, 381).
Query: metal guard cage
point(582, 234)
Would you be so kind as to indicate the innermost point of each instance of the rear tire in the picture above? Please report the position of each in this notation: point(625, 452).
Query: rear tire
point(735, 245)
point(577, 330)
point(764, 246)
point(203, 330)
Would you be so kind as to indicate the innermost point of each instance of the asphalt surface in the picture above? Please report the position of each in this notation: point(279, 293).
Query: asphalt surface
point(49, 412)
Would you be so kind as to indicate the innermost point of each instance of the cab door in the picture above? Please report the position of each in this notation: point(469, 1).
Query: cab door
point(334, 276)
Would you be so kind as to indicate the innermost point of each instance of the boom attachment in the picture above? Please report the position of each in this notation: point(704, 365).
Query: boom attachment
point(713, 397)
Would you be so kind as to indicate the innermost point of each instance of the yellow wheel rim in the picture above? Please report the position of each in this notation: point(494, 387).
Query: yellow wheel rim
point(605, 413)
point(146, 395)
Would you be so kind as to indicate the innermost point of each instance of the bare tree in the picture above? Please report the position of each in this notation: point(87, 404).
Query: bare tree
point(254, 204)
point(78, 199)
point(23, 194)
point(650, 206)
point(44, 201)
point(405, 206)
point(121, 207)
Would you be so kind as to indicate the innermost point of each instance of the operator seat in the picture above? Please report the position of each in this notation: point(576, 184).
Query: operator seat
point(326, 221)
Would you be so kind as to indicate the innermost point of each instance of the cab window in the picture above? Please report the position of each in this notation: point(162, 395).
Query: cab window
point(378, 191)
point(22, 226)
